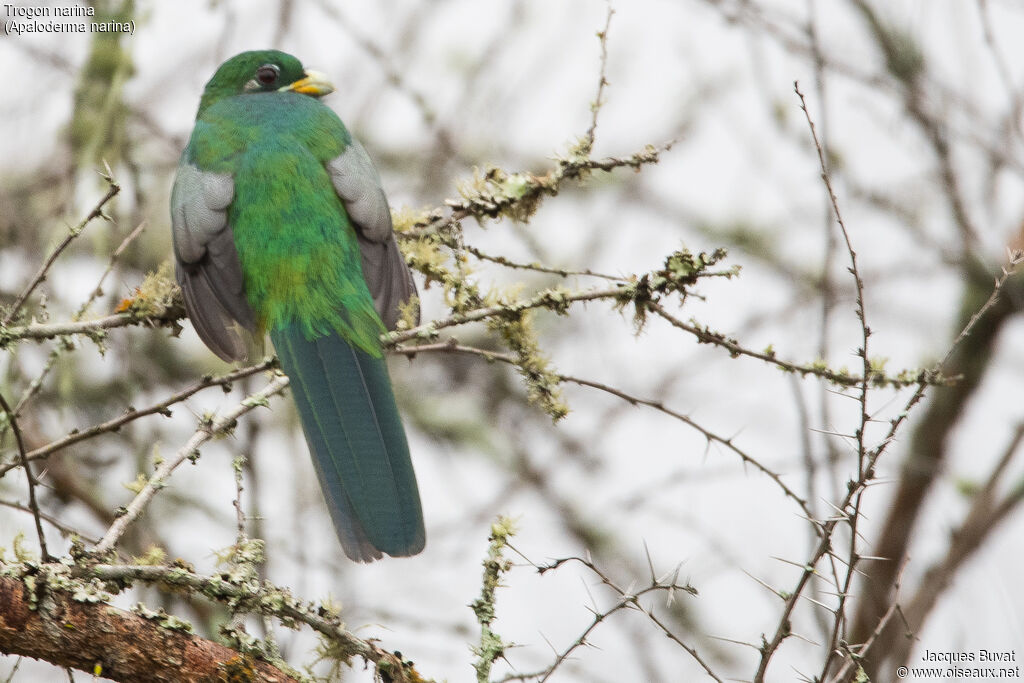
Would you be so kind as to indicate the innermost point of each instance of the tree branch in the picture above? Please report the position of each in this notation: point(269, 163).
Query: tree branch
point(74, 232)
point(205, 432)
point(161, 407)
point(44, 622)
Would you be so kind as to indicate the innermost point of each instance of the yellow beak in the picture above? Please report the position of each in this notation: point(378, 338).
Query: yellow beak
point(314, 84)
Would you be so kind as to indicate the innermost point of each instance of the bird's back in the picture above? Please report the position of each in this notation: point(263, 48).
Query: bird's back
point(299, 253)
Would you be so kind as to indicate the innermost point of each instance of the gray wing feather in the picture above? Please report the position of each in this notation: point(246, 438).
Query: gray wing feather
point(356, 181)
point(206, 263)
point(389, 279)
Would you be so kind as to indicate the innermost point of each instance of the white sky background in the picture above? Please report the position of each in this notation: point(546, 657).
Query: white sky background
point(676, 69)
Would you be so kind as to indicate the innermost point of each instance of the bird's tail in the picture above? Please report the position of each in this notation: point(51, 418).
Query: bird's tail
point(357, 441)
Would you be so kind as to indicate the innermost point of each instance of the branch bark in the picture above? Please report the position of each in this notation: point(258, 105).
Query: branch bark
point(119, 645)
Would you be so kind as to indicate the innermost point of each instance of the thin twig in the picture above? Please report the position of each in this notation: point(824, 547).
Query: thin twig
point(602, 81)
point(576, 167)
point(14, 670)
point(850, 508)
point(452, 346)
point(828, 526)
point(161, 407)
point(707, 336)
point(32, 503)
point(242, 563)
point(88, 328)
point(74, 232)
point(1016, 258)
point(550, 298)
point(239, 465)
point(861, 433)
point(54, 522)
point(829, 298)
point(537, 267)
point(97, 291)
point(852, 662)
point(558, 299)
point(626, 599)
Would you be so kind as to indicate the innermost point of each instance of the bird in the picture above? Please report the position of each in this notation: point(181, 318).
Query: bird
point(280, 226)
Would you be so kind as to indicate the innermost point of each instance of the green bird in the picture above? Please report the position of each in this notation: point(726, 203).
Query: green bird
point(281, 226)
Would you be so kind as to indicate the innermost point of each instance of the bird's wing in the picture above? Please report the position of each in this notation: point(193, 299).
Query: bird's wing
point(206, 262)
point(356, 181)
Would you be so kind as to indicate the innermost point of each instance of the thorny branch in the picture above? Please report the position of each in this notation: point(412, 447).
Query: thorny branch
point(56, 353)
point(94, 329)
point(848, 510)
point(451, 345)
point(845, 509)
point(625, 599)
point(862, 399)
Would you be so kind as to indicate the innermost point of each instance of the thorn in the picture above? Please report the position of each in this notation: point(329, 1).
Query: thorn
point(650, 562)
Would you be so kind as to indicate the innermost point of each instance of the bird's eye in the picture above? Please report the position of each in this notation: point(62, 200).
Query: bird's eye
point(267, 74)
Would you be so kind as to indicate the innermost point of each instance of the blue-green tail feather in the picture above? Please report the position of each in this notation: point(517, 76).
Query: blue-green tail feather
point(357, 441)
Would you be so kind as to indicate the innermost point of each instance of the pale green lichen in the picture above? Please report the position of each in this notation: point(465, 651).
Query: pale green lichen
point(494, 192)
point(154, 556)
point(406, 219)
point(543, 385)
point(156, 296)
point(136, 486)
point(165, 620)
point(408, 313)
point(492, 646)
point(21, 553)
point(243, 561)
point(256, 402)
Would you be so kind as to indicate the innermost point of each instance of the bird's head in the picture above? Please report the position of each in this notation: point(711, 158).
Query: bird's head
point(263, 71)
